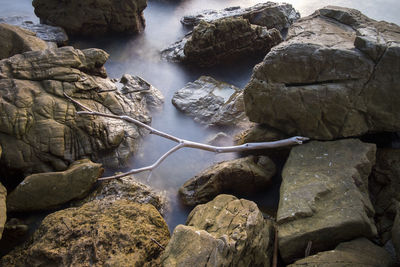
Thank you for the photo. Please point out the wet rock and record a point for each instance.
(45, 32)
(99, 233)
(39, 128)
(222, 40)
(224, 232)
(212, 102)
(15, 40)
(359, 253)
(396, 232)
(93, 18)
(43, 191)
(271, 15)
(308, 85)
(385, 190)
(324, 196)
(3, 208)
(241, 176)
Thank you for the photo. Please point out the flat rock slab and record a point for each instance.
(43, 191)
(324, 196)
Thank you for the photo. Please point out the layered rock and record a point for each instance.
(15, 40)
(3, 208)
(212, 102)
(222, 40)
(324, 196)
(44, 191)
(309, 85)
(224, 232)
(39, 128)
(271, 15)
(358, 253)
(98, 233)
(241, 176)
(92, 18)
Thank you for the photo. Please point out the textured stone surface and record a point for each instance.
(241, 176)
(97, 234)
(324, 196)
(43, 191)
(94, 17)
(212, 102)
(271, 15)
(309, 85)
(39, 128)
(396, 232)
(3, 208)
(358, 253)
(224, 232)
(15, 40)
(222, 40)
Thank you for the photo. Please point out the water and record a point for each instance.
(139, 55)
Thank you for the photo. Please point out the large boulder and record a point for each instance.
(212, 102)
(96, 17)
(3, 208)
(271, 15)
(358, 253)
(241, 176)
(336, 75)
(222, 40)
(324, 196)
(99, 233)
(44, 191)
(15, 40)
(224, 232)
(39, 128)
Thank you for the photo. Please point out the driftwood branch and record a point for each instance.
(296, 140)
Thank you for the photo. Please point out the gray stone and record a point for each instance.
(44, 191)
(241, 176)
(396, 232)
(224, 232)
(324, 196)
(308, 85)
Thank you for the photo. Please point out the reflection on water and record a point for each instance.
(139, 55)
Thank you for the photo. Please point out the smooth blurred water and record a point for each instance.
(139, 55)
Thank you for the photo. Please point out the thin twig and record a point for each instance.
(158, 244)
(308, 249)
(296, 140)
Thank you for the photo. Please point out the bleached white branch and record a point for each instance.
(296, 140)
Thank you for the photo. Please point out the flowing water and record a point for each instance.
(139, 55)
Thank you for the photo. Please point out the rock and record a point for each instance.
(39, 128)
(308, 85)
(396, 232)
(222, 40)
(271, 15)
(99, 234)
(15, 40)
(212, 102)
(93, 18)
(359, 253)
(219, 139)
(224, 232)
(44, 191)
(324, 196)
(385, 190)
(3, 208)
(241, 176)
(45, 32)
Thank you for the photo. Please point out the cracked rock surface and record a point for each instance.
(336, 75)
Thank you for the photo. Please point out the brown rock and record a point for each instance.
(3, 208)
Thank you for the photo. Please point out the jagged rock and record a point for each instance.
(99, 233)
(39, 128)
(212, 102)
(309, 85)
(45, 32)
(241, 176)
(271, 15)
(3, 208)
(43, 191)
(92, 18)
(15, 40)
(385, 190)
(358, 253)
(396, 232)
(222, 40)
(224, 232)
(324, 196)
